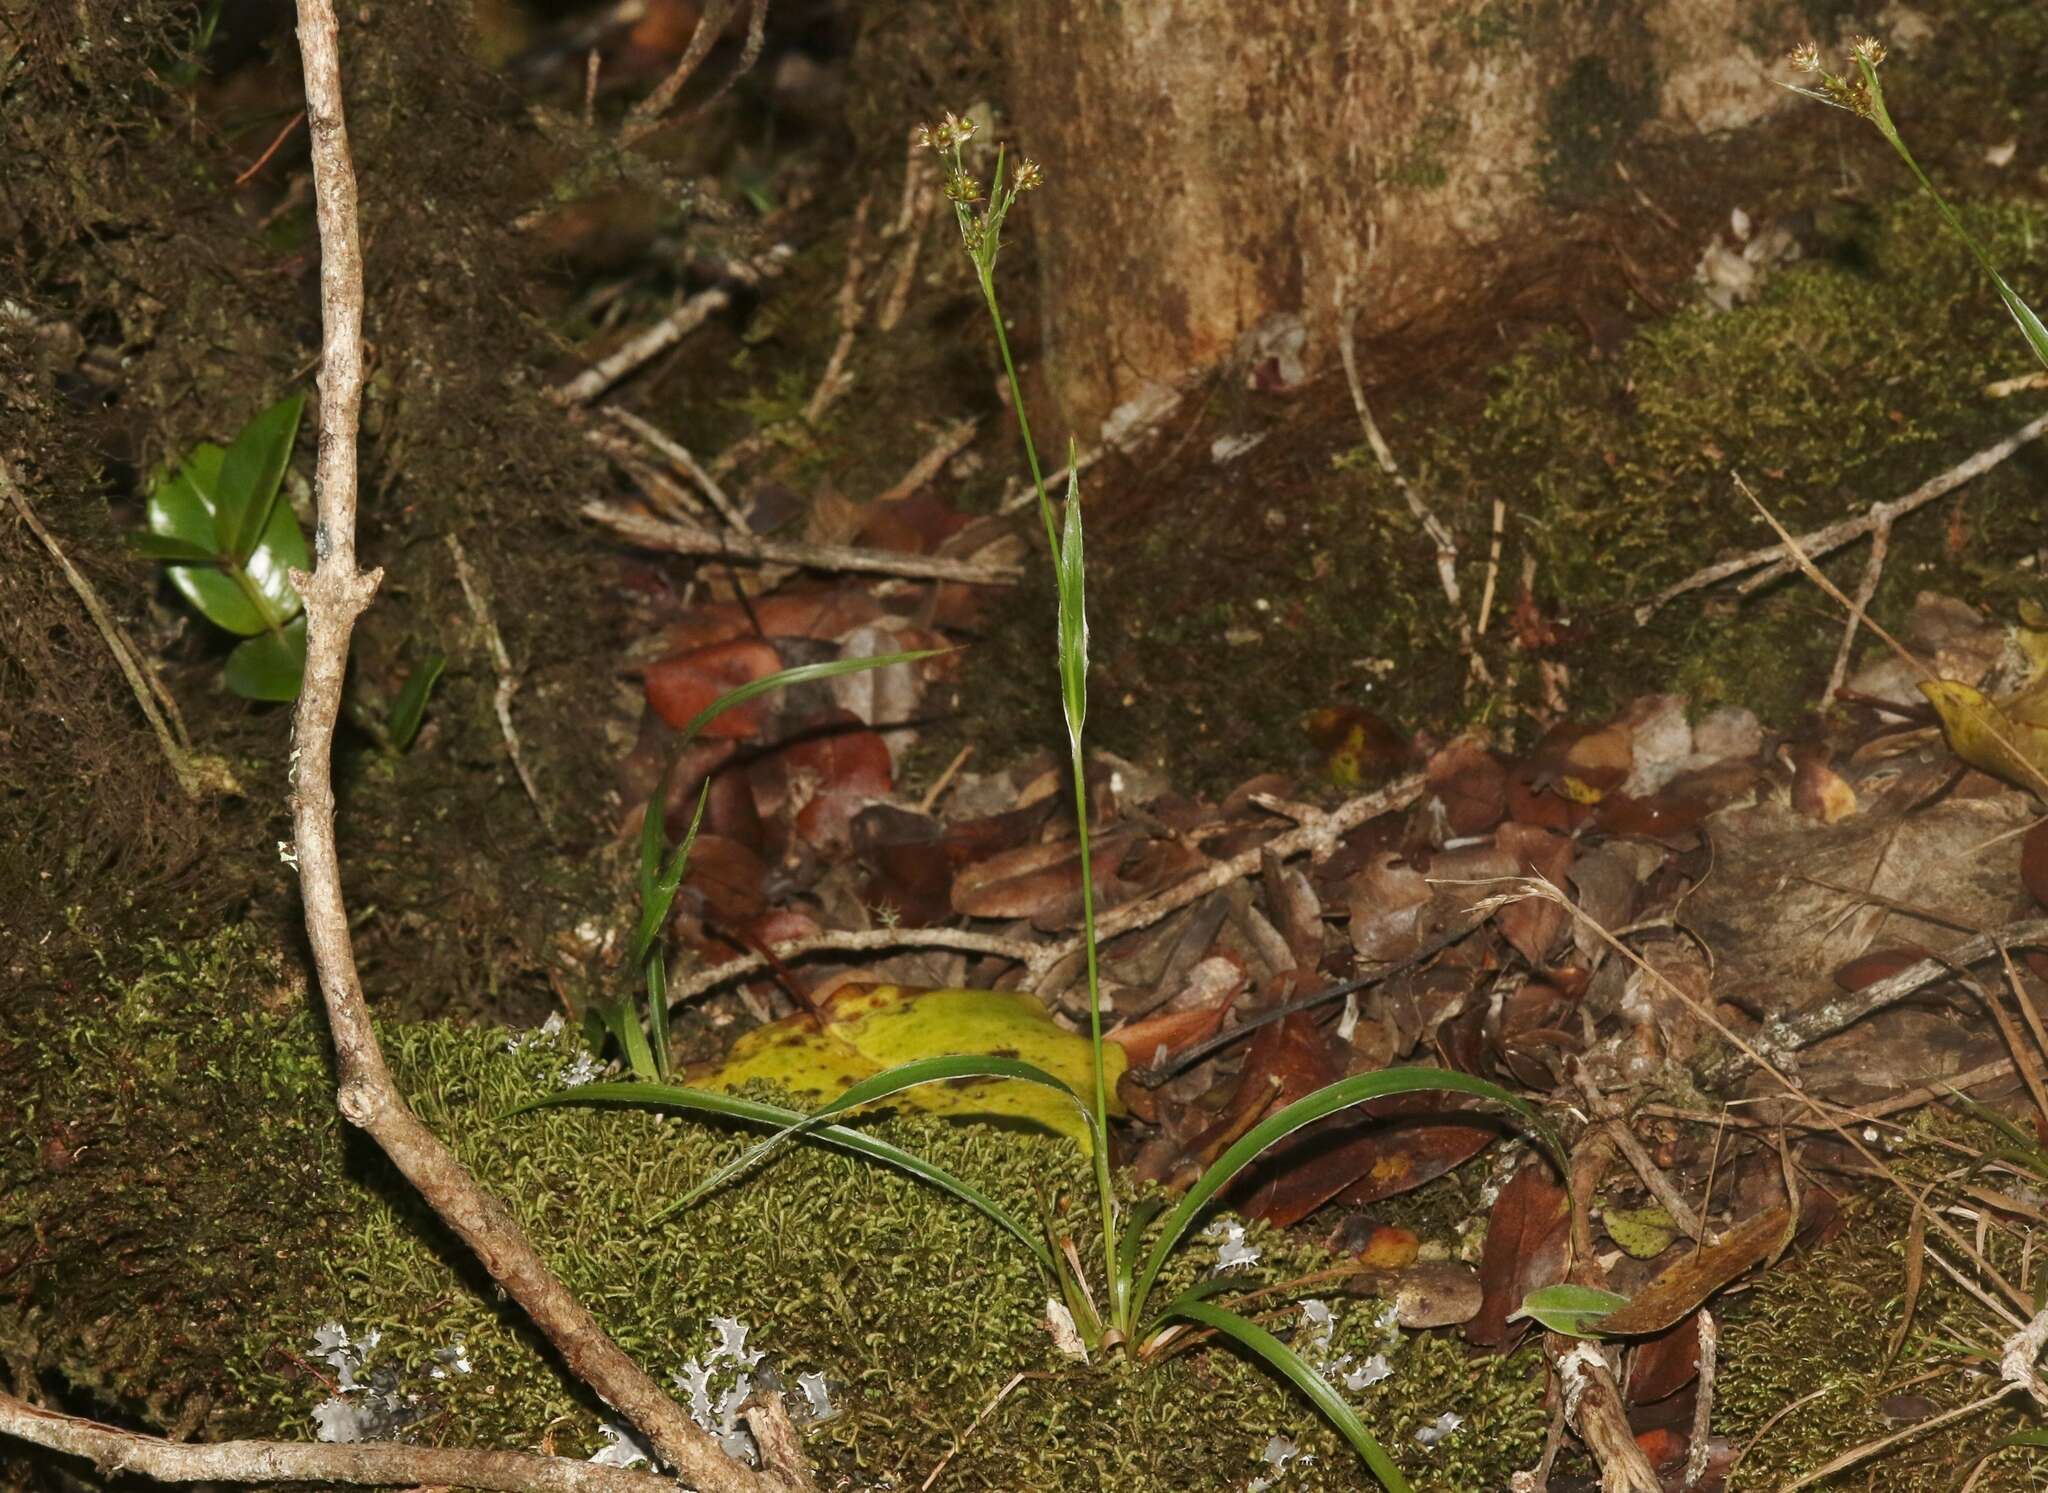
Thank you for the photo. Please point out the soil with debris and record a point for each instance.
(1698, 868)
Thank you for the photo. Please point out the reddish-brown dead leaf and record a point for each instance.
(823, 615)
(1658, 817)
(1531, 803)
(1662, 1445)
(1818, 791)
(1674, 1292)
(1387, 900)
(681, 685)
(1471, 784)
(844, 767)
(1535, 925)
(1582, 763)
(1361, 1156)
(1034, 881)
(728, 877)
(1879, 964)
(2034, 862)
(1528, 1246)
(1665, 1364)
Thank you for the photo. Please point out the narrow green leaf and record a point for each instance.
(250, 473)
(675, 1096)
(2036, 1437)
(1574, 1311)
(1141, 1216)
(659, 895)
(1257, 1340)
(1073, 625)
(270, 666)
(890, 1082)
(1357, 1089)
(170, 547)
(411, 708)
(802, 674)
(657, 1008)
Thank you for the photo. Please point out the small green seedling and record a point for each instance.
(1119, 1313)
(1575, 1311)
(217, 521)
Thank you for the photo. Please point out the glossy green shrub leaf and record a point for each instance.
(270, 667)
(245, 492)
(411, 708)
(249, 599)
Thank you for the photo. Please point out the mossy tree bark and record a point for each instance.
(1213, 166)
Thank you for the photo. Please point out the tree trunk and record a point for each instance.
(1221, 177)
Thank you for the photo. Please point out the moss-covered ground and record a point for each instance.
(175, 1133)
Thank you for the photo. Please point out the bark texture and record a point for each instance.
(1215, 170)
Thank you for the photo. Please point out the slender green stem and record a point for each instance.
(1105, 1190)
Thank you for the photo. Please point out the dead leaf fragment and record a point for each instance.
(1997, 739)
(1673, 1293)
(1528, 1246)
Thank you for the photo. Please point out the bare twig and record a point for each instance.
(685, 462)
(1771, 557)
(197, 773)
(646, 115)
(1446, 544)
(363, 1464)
(1782, 1036)
(951, 442)
(1870, 1449)
(1318, 839)
(270, 150)
(681, 539)
(1593, 1409)
(834, 382)
(670, 330)
(335, 595)
(1703, 1403)
(1638, 1156)
(973, 1426)
(1035, 957)
(508, 679)
(912, 218)
(1873, 573)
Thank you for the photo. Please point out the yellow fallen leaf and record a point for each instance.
(871, 1028)
(2008, 741)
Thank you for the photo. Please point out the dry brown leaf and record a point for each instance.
(1687, 1285)
(1528, 1246)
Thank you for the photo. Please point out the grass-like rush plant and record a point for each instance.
(1122, 1316)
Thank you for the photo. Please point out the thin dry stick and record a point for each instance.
(1870, 1449)
(671, 329)
(363, 1464)
(2022, 1354)
(508, 680)
(1318, 838)
(197, 774)
(1000, 1395)
(270, 150)
(685, 462)
(1772, 556)
(681, 539)
(1500, 520)
(1782, 1036)
(1446, 543)
(646, 114)
(2023, 1059)
(1035, 957)
(670, 498)
(912, 218)
(1540, 886)
(945, 779)
(951, 442)
(1703, 1405)
(1873, 573)
(1638, 1155)
(833, 381)
(335, 595)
